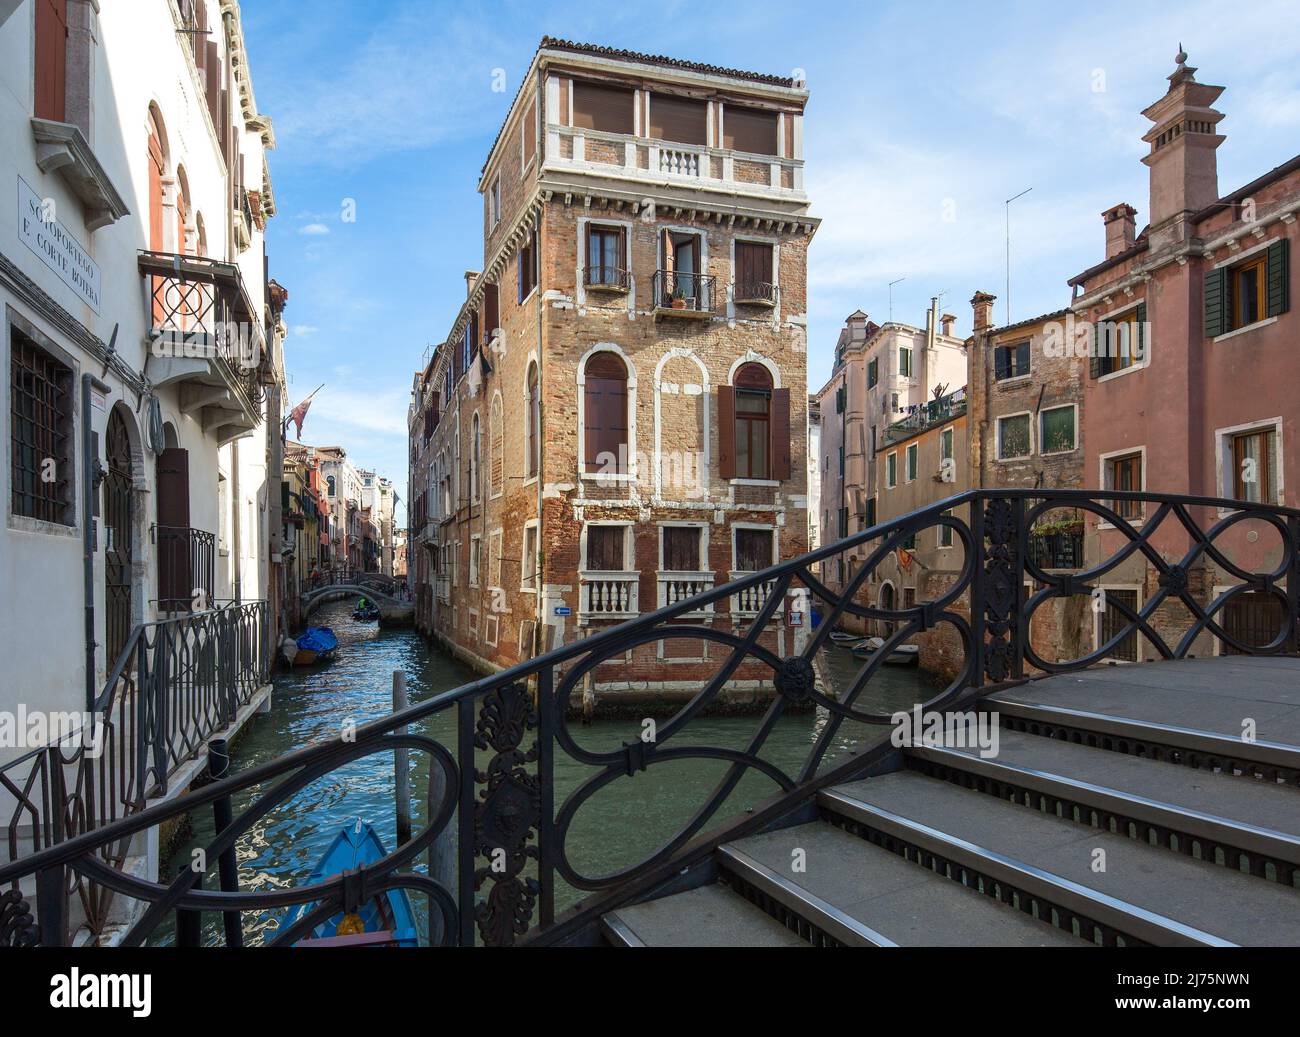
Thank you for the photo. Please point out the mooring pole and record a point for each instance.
(227, 865)
(401, 765)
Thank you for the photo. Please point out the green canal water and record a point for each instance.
(617, 827)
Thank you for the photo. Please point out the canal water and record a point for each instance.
(619, 826)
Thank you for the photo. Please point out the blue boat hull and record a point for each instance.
(357, 845)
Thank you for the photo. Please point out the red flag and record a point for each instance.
(299, 414)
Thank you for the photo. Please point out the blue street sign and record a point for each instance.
(563, 610)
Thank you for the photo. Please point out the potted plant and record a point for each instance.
(679, 298)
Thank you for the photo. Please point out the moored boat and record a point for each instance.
(385, 920)
(902, 655)
(316, 645)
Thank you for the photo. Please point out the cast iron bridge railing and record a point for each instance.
(495, 783)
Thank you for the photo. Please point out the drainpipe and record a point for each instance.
(236, 506)
(91, 473)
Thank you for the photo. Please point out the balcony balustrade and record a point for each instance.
(749, 601)
(609, 595)
(626, 156)
(675, 587)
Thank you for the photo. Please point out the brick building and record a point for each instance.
(1026, 397)
(617, 418)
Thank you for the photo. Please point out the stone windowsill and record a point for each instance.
(62, 147)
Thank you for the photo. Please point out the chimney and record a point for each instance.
(1183, 138)
(982, 304)
(948, 320)
(1120, 228)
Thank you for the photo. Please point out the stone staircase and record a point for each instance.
(1093, 824)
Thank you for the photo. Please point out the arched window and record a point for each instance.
(605, 415)
(532, 424)
(184, 246)
(754, 426)
(753, 385)
(475, 456)
(329, 481)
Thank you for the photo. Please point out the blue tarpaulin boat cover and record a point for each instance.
(318, 639)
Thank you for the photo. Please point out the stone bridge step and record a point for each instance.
(711, 916)
(1257, 817)
(1145, 893)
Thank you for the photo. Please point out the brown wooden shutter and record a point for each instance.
(51, 59)
(679, 119)
(213, 84)
(530, 132)
(726, 432)
(491, 311)
(681, 549)
(749, 130)
(780, 424)
(173, 471)
(606, 109)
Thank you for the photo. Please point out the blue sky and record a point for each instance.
(923, 119)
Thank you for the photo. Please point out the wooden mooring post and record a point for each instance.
(401, 764)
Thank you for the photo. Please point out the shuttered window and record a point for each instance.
(1249, 292)
(753, 550)
(491, 311)
(1125, 473)
(605, 415)
(1011, 361)
(749, 130)
(605, 548)
(682, 549)
(51, 59)
(526, 267)
(528, 134)
(608, 109)
(754, 272)
(679, 119)
(1119, 343)
(605, 251)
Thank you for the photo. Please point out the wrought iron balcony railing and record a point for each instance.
(756, 293)
(1057, 550)
(495, 779)
(610, 278)
(187, 569)
(682, 294)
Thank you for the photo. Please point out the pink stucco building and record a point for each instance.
(1195, 368)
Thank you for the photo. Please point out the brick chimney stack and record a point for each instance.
(948, 320)
(982, 304)
(1184, 140)
(1120, 228)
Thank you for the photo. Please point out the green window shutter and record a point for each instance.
(1279, 277)
(1216, 302)
(1141, 318)
(1094, 366)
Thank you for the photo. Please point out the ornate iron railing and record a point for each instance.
(176, 684)
(495, 787)
(186, 568)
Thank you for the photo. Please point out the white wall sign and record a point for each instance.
(58, 249)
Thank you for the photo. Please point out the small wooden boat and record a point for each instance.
(366, 614)
(903, 655)
(385, 920)
(844, 639)
(317, 645)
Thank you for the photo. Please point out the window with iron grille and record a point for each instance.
(41, 468)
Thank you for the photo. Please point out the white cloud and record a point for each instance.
(314, 230)
(304, 330)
